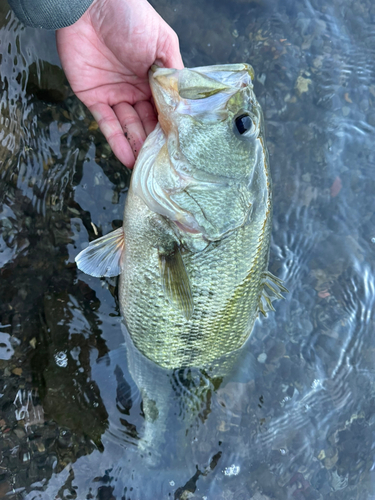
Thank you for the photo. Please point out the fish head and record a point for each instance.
(214, 132)
(213, 113)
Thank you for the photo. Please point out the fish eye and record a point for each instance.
(243, 124)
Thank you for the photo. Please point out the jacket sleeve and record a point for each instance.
(49, 14)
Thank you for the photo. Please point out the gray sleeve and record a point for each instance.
(49, 14)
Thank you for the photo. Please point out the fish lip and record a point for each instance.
(206, 70)
(157, 73)
(163, 71)
(230, 68)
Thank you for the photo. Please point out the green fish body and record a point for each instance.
(193, 251)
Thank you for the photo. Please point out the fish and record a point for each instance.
(193, 250)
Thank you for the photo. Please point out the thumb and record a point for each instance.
(168, 54)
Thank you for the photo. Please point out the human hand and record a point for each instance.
(106, 56)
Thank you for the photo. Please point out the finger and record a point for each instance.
(113, 132)
(169, 55)
(132, 125)
(175, 60)
(147, 115)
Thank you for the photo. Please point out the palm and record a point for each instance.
(106, 56)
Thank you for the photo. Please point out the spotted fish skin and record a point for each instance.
(224, 313)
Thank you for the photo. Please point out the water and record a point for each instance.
(297, 418)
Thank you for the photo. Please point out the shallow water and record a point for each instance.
(296, 420)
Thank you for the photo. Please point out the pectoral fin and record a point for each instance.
(103, 256)
(176, 282)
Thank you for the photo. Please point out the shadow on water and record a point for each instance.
(83, 415)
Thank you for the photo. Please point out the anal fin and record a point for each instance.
(102, 258)
(176, 282)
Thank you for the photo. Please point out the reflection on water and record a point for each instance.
(84, 416)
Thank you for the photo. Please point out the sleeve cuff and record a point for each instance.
(49, 14)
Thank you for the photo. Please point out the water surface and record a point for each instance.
(296, 420)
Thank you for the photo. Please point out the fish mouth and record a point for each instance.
(205, 79)
(171, 87)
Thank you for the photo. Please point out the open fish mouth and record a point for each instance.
(202, 91)
(202, 82)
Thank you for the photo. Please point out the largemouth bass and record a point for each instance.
(193, 250)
